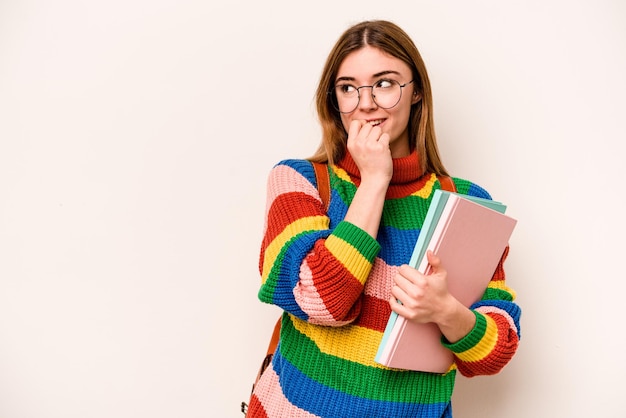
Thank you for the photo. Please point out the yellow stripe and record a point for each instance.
(350, 257)
(501, 285)
(425, 191)
(341, 173)
(350, 342)
(311, 223)
(485, 346)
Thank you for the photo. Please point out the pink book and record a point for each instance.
(470, 239)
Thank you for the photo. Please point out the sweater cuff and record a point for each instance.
(354, 248)
(363, 242)
(471, 339)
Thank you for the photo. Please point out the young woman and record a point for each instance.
(339, 273)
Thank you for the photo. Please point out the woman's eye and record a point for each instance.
(383, 84)
(347, 88)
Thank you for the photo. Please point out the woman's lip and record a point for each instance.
(376, 122)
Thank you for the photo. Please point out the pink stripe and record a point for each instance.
(274, 402)
(285, 179)
(380, 280)
(498, 311)
(310, 301)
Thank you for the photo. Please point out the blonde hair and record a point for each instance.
(391, 39)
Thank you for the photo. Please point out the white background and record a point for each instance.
(135, 141)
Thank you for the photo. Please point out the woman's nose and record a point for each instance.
(367, 100)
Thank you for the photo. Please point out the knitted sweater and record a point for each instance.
(333, 281)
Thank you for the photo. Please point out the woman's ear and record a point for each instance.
(416, 97)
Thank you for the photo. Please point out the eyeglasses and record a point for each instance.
(385, 93)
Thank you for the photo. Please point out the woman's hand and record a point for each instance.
(369, 148)
(425, 298)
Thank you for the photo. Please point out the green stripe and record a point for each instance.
(367, 246)
(363, 242)
(497, 294)
(462, 185)
(359, 380)
(344, 189)
(471, 339)
(406, 213)
(266, 292)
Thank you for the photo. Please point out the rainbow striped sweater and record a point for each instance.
(333, 281)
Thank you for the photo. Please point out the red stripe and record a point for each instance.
(404, 189)
(284, 210)
(288, 208)
(255, 409)
(503, 351)
(499, 274)
(375, 313)
(398, 191)
(337, 287)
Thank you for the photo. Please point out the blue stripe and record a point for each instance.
(476, 190)
(289, 274)
(327, 402)
(302, 167)
(337, 209)
(511, 308)
(394, 243)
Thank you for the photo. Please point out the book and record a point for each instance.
(433, 215)
(469, 235)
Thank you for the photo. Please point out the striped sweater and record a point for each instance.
(333, 281)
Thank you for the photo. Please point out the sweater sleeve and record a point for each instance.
(308, 269)
(495, 337)
(493, 341)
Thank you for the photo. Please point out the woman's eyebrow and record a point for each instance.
(377, 75)
(382, 73)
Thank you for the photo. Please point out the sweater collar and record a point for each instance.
(405, 169)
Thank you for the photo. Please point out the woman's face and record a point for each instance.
(370, 66)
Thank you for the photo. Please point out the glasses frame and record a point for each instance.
(358, 93)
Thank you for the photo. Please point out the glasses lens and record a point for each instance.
(347, 97)
(385, 93)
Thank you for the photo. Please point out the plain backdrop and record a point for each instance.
(135, 141)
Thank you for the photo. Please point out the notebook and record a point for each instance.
(469, 238)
